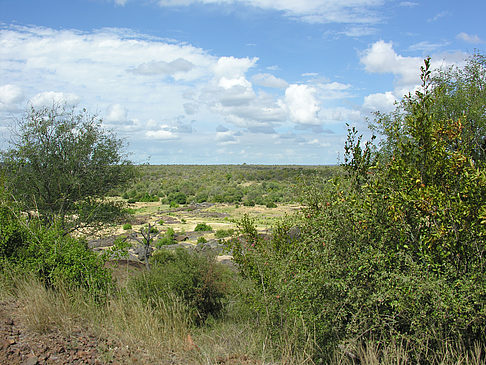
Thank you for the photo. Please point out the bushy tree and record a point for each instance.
(62, 164)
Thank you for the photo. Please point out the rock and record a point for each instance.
(32, 360)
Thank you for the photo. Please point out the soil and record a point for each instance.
(21, 346)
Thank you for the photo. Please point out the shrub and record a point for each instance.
(271, 205)
(177, 198)
(198, 280)
(167, 239)
(13, 236)
(127, 226)
(223, 233)
(202, 240)
(146, 198)
(202, 227)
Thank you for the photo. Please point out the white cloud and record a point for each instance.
(438, 16)
(116, 114)
(383, 102)
(427, 46)
(10, 97)
(359, 31)
(381, 58)
(469, 38)
(120, 2)
(302, 105)
(50, 98)
(179, 65)
(226, 137)
(340, 114)
(269, 80)
(232, 67)
(161, 134)
(312, 11)
(409, 4)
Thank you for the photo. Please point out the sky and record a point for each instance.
(227, 81)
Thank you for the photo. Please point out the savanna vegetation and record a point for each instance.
(384, 262)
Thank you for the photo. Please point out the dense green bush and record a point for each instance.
(167, 239)
(127, 226)
(13, 237)
(223, 233)
(203, 227)
(198, 280)
(56, 258)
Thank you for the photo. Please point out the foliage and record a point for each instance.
(59, 260)
(186, 184)
(62, 165)
(201, 240)
(127, 226)
(393, 250)
(203, 227)
(223, 233)
(119, 250)
(167, 239)
(198, 280)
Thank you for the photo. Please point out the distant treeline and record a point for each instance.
(246, 184)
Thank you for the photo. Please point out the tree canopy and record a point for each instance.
(62, 164)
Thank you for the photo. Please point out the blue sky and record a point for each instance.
(227, 81)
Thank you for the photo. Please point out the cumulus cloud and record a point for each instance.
(163, 68)
(383, 102)
(312, 11)
(49, 98)
(382, 58)
(269, 80)
(116, 113)
(232, 67)
(226, 137)
(469, 38)
(302, 105)
(340, 114)
(10, 97)
(161, 134)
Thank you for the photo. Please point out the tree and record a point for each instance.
(62, 164)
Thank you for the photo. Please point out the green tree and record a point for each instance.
(62, 164)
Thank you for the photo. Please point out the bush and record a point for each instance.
(198, 280)
(203, 227)
(202, 240)
(177, 198)
(13, 236)
(127, 226)
(167, 239)
(147, 198)
(59, 260)
(223, 233)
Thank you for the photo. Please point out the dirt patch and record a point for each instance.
(20, 345)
